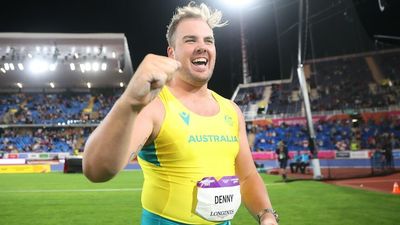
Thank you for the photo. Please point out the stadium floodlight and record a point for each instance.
(19, 85)
(88, 66)
(51, 84)
(52, 66)
(82, 66)
(96, 50)
(38, 66)
(3, 70)
(121, 84)
(72, 66)
(6, 66)
(238, 3)
(12, 66)
(95, 66)
(103, 66)
(21, 66)
(89, 85)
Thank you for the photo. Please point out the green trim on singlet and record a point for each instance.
(148, 153)
(149, 218)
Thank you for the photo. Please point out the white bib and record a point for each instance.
(218, 200)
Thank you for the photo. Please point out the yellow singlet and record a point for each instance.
(188, 148)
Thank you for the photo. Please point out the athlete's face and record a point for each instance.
(195, 49)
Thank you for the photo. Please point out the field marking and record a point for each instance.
(370, 181)
(89, 190)
(71, 190)
(275, 184)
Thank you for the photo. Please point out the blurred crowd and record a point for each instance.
(341, 84)
(338, 135)
(61, 121)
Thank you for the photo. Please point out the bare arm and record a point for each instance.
(252, 187)
(127, 126)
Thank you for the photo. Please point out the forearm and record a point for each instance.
(256, 199)
(107, 149)
(254, 194)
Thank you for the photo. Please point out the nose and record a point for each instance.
(200, 50)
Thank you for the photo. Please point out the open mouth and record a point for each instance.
(200, 61)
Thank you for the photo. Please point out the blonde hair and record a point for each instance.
(212, 17)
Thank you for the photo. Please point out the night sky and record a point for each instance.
(337, 27)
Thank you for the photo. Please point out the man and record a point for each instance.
(300, 161)
(295, 163)
(191, 143)
(304, 162)
(282, 153)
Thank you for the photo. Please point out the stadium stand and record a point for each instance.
(355, 105)
(53, 110)
(354, 100)
(41, 122)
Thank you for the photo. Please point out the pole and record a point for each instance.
(306, 100)
(245, 65)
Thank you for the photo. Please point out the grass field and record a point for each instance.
(69, 199)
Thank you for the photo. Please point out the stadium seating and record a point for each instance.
(61, 121)
(51, 122)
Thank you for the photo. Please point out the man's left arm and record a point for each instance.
(252, 187)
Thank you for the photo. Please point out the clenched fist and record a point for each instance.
(151, 75)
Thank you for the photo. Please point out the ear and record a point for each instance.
(171, 52)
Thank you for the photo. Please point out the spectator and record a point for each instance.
(283, 157)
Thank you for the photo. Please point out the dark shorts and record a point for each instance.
(149, 218)
(283, 164)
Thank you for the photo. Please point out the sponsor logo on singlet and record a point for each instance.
(185, 117)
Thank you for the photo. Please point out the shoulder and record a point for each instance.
(229, 103)
(237, 110)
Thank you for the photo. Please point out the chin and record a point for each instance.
(197, 80)
(204, 77)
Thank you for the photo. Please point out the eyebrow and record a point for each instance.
(210, 38)
(195, 37)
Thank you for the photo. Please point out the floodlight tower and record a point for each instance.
(306, 99)
(240, 5)
(243, 48)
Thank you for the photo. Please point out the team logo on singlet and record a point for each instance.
(185, 117)
(228, 120)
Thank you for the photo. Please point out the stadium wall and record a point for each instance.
(328, 159)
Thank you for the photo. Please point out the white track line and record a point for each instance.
(276, 184)
(71, 190)
(88, 190)
(370, 181)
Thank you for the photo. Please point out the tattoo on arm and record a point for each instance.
(139, 147)
(134, 153)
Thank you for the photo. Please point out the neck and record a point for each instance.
(181, 88)
(197, 99)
